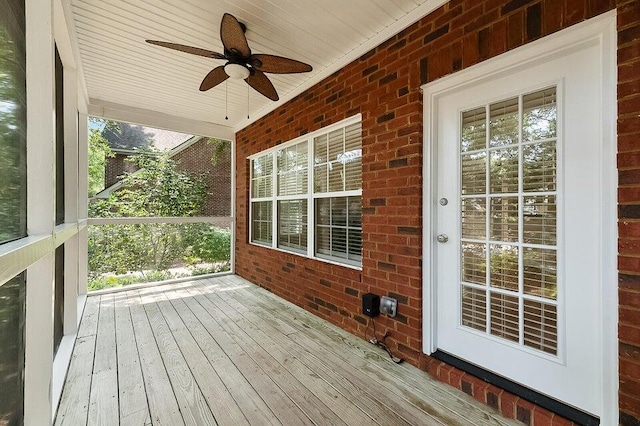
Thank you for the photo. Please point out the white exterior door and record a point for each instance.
(517, 227)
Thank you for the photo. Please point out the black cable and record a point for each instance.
(382, 344)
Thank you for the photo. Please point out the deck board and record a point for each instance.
(222, 351)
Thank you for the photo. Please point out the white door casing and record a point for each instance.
(578, 63)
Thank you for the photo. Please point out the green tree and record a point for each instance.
(156, 189)
(126, 136)
(99, 151)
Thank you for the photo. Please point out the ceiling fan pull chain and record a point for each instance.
(226, 100)
(248, 102)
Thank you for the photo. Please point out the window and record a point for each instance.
(13, 122)
(509, 220)
(318, 187)
(292, 166)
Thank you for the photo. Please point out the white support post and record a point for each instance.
(41, 211)
(83, 147)
(71, 199)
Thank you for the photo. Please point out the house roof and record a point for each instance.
(132, 137)
(126, 78)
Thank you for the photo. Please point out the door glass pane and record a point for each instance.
(474, 218)
(474, 130)
(503, 123)
(540, 272)
(504, 267)
(13, 122)
(510, 257)
(474, 173)
(474, 308)
(539, 167)
(541, 326)
(504, 219)
(539, 219)
(12, 317)
(505, 316)
(474, 263)
(539, 116)
(504, 170)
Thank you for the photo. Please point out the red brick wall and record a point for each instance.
(196, 159)
(629, 208)
(383, 85)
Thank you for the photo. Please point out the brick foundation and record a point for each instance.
(384, 86)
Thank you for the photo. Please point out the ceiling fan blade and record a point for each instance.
(188, 49)
(262, 84)
(277, 64)
(232, 36)
(215, 77)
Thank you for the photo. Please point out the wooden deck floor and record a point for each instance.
(223, 351)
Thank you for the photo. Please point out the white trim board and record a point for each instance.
(600, 31)
(146, 117)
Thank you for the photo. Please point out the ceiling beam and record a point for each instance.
(158, 120)
(66, 39)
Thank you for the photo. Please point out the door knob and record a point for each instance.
(442, 238)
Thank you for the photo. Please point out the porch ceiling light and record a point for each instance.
(236, 71)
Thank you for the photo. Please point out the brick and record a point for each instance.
(512, 5)
(552, 13)
(515, 30)
(630, 404)
(542, 417)
(524, 411)
(628, 419)
(508, 405)
(466, 387)
(534, 22)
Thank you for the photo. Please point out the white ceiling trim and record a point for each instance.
(66, 37)
(399, 25)
(158, 120)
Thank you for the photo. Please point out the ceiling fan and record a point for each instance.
(241, 63)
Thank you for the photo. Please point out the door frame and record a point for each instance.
(601, 31)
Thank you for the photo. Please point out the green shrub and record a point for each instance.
(212, 245)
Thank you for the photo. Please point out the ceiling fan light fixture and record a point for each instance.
(237, 71)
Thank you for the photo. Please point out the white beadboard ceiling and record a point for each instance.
(131, 80)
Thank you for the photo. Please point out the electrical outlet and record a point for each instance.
(389, 306)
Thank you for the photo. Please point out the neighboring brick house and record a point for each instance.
(384, 86)
(117, 165)
(197, 155)
(200, 155)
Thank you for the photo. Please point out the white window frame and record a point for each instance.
(310, 195)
